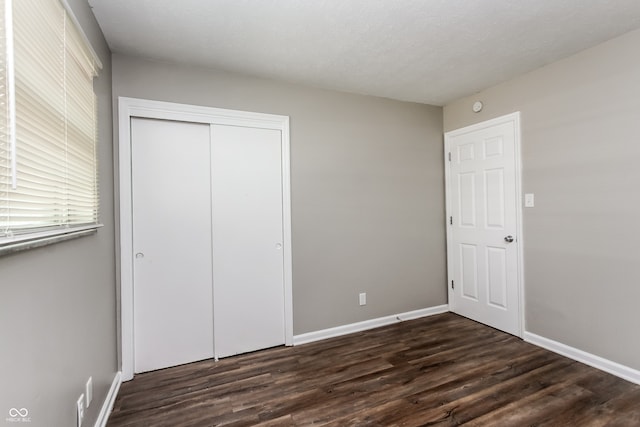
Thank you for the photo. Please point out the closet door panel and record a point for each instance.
(173, 308)
(248, 262)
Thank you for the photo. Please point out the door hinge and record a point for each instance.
(449, 155)
(450, 220)
(453, 285)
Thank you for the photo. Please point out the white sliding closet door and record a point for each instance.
(173, 313)
(248, 261)
(205, 231)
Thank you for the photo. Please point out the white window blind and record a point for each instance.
(51, 156)
(5, 150)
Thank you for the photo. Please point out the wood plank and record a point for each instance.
(439, 370)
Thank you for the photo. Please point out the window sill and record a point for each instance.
(36, 240)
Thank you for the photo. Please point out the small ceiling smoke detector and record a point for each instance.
(477, 107)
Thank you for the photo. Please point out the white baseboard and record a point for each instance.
(107, 405)
(367, 324)
(597, 362)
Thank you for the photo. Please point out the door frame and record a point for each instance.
(143, 108)
(515, 119)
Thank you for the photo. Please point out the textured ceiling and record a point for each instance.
(429, 51)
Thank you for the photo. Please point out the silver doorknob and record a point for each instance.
(508, 239)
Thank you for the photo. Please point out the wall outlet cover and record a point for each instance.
(80, 409)
(88, 392)
(363, 298)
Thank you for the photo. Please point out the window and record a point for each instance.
(48, 166)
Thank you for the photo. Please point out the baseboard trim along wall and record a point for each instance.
(107, 405)
(367, 324)
(597, 362)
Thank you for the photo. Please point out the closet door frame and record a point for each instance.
(143, 108)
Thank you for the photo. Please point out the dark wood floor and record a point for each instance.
(436, 371)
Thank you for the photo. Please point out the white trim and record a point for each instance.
(519, 220)
(287, 248)
(597, 362)
(367, 324)
(132, 107)
(447, 225)
(515, 118)
(109, 400)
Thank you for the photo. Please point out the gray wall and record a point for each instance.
(581, 147)
(367, 188)
(57, 303)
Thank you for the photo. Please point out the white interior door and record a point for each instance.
(248, 262)
(173, 302)
(483, 241)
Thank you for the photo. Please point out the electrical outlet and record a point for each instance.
(80, 409)
(88, 392)
(363, 298)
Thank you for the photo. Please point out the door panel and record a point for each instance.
(494, 192)
(467, 196)
(248, 260)
(469, 279)
(173, 314)
(482, 194)
(496, 280)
